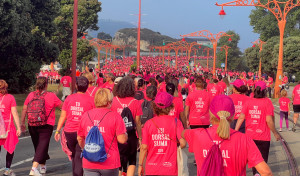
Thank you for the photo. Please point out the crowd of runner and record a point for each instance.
(150, 114)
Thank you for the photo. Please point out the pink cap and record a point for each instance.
(222, 103)
(261, 84)
(163, 100)
(238, 83)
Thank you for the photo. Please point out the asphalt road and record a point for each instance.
(59, 165)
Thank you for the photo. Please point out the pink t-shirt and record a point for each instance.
(178, 107)
(239, 100)
(213, 90)
(256, 110)
(100, 82)
(296, 93)
(285, 80)
(51, 102)
(111, 126)
(5, 107)
(76, 105)
(269, 82)
(237, 152)
(66, 81)
(284, 104)
(199, 102)
(162, 145)
(108, 86)
(135, 106)
(91, 91)
(222, 86)
(250, 82)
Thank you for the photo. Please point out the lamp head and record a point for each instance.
(222, 13)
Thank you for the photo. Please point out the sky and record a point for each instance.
(179, 17)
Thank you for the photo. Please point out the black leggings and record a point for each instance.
(76, 153)
(9, 158)
(40, 136)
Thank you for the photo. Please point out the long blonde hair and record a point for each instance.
(223, 130)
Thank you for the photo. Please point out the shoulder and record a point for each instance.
(10, 97)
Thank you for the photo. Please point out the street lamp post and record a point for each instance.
(139, 38)
(207, 50)
(280, 11)
(260, 44)
(226, 48)
(74, 44)
(214, 38)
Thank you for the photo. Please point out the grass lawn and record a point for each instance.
(20, 99)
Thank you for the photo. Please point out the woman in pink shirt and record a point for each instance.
(91, 90)
(237, 149)
(296, 104)
(8, 109)
(124, 93)
(239, 99)
(259, 115)
(177, 111)
(197, 106)
(73, 108)
(284, 105)
(160, 136)
(113, 130)
(41, 135)
(109, 84)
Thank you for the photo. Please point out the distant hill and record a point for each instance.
(128, 36)
(110, 27)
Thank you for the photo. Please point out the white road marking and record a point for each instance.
(18, 163)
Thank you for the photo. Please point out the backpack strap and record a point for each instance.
(100, 120)
(91, 92)
(222, 140)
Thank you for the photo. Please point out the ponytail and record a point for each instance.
(223, 130)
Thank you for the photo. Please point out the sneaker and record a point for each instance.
(35, 172)
(43, 170)
(290, 129)
(294, 127)
(280, 130)
(124, 174)
(8, 172)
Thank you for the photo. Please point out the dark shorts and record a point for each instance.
(296, 108)
(128, 151)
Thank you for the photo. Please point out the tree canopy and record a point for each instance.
(234, 54)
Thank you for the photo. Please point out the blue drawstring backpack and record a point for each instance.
(94, 148)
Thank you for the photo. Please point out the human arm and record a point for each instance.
(142, 156)
(271, 125)
(183, 119)
(138, 127)
(186, 115)
(239, 121)
(23, 115)
(81, 141)
(16, 119)
(61, 121)
(263, 169)
(122, 138)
